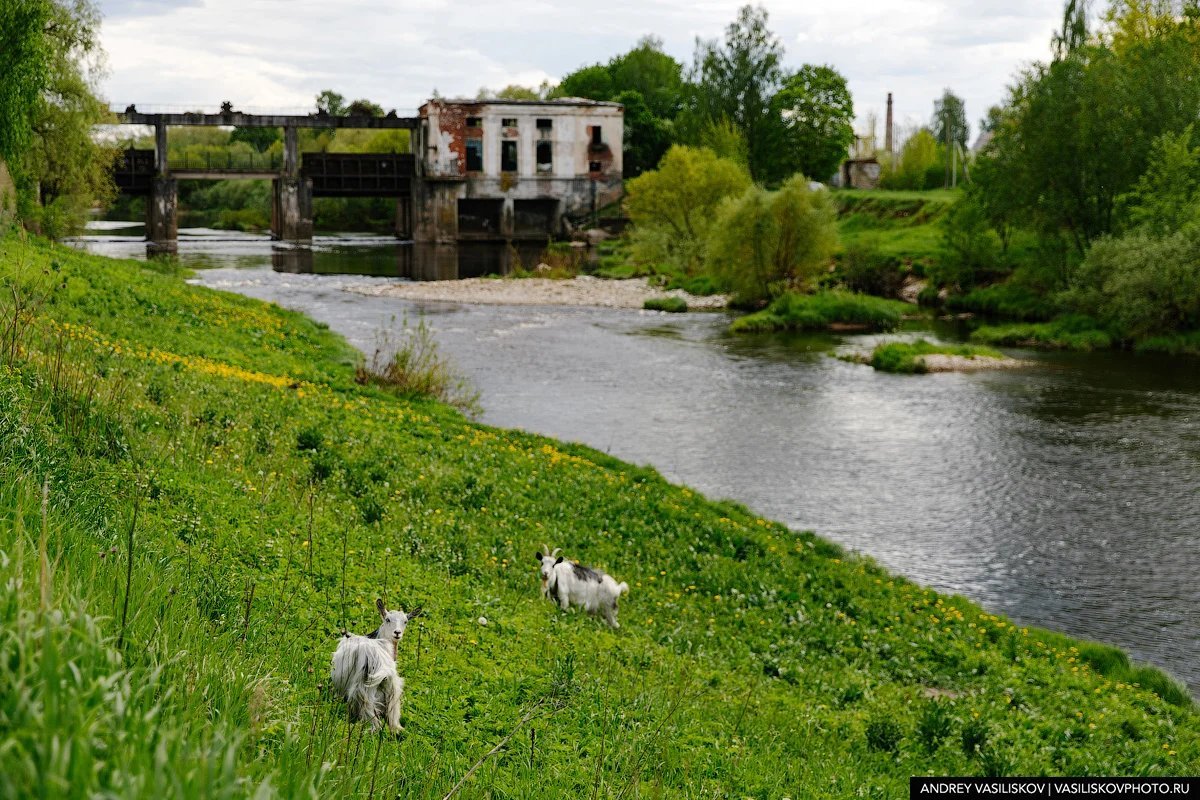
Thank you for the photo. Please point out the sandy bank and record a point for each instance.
(583, 290)
(942, 362)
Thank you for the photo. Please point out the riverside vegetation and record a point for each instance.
(197, 495)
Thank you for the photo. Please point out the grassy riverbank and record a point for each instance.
(912, 357)
(268, 498)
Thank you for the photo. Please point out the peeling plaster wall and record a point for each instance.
(571, 181)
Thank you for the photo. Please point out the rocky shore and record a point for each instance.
(583, 290)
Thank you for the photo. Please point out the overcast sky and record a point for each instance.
(277, 54)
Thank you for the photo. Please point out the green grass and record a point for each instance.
(1071, 332)
(675, 305)
(822, 311)
(275, 498)
(899, 224)
(908, 357)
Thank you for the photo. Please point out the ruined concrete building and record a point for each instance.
(514, 169)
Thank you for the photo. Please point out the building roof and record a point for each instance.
(558, 101)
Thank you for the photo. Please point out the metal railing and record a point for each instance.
(227, 161)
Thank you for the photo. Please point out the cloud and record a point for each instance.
(279, 53)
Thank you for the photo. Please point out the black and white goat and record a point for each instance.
(568, 584)
(363, 673)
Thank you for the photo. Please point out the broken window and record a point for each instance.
(545, 157)
(593, 166)
(474, 122)
(544, 124)
(508, 155)
(474, 155)
(597, 137)
(509, 122)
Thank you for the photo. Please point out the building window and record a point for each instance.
(545, 157)
(509, 122)
(544, 124)
(508, 155)
(597, 136)
(474, 155)
(593, 166)
(474, 122)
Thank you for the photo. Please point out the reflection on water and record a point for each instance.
(1065, 495)
(331, 254)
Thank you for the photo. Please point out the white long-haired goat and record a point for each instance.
(568, 584)
(364, 671)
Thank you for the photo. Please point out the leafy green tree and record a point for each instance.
(58, 168)
(330, 102)
(656, 76)
(673, 206)
(260, 139)
(593, 83)
(364, 108)
(816, 114)
(949, 121)
(1167, 196)
(764, 242)
(647, 137)
(24, 63)
(919, 165)
(736, 79)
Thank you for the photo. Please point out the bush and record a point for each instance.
(908, 357)
(1141, 284)
(675, 305)
(1070, 332)
(934, 725)
(1010, 300)
(884, 734)
(764, 241)
(865, 269)
(672, 207)
(821, 310)
(416, 369)
(970, 251)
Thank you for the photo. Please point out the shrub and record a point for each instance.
(415, 368)
(864, 268)
(821, 310)
(672, 207)
(934, 725)
(1141, 284)
(1069, 332)
(884, 734)
(673, 304)
(764, 241)
(908, 357)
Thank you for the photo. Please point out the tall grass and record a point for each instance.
(414, 367)
(277, 496)
(824, 310)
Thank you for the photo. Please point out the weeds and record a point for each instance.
(413, 367)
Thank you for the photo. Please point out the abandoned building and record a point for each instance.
(479, 170)
(513, 169)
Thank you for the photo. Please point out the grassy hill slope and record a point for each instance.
(214, 455)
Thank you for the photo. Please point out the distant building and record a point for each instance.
(514, 169)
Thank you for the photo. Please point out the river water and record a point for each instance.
(1066, 494)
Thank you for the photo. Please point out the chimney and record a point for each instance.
(887, 136)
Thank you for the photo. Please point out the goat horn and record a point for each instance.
(557, 550)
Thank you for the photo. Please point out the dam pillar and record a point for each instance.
(162, 225)
(291, 209)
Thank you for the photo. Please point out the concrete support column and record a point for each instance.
(404, 222)
(162, 223)
(507, 219)
(291, 153)
(291, 209)
(160, 150)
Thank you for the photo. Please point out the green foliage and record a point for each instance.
(1068, 332)
(1142, 285)
(1165, 198)
(647, 137)
(672, 207)
(949, 121)
(970, 252)
(820, 311)
(672, 304)
(48, 113)
(935, 724)
(1013, 299)
(908, 357)
(741, 641)
(918, 165)
(866, 269)
(414, 368)
(817, 116)
(763, 242)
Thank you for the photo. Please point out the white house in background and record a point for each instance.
(514, 169)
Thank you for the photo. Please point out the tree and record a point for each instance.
(646, 136)
(949, 122)
(817, 115)
(593, 83)
(763, 242)
(673, 206)
(364, 108)
(57, 167)
(656, 76)
(737, 78)
(330, 102)
(919, 165)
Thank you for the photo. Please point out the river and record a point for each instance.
(1066, 495)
